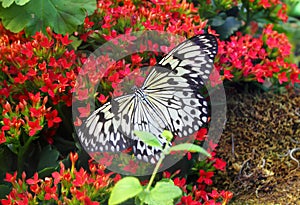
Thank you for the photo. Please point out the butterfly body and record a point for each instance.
(169, 99)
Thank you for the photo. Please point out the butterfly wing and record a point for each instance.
(172, 90)
(102, 131)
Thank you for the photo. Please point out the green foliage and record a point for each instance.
(164, 192)
(62, 16)
(48, 161)
(8, 3)
(126, 188)
(190, 148)
(148, 138)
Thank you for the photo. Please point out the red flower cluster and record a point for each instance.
(37, 73)
(198, 194)
(68, 186)
(176, 17)
(272, 4)
(246, 58)
(26, 117)
(117, 18)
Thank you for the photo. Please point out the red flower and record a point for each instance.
(136, 59)
(85, 111)
(36, 113)
(11, 178)
(34, 98)
(57, 177)
(35, 179)
(34, 127)
(50, 193)
(226, 195)
(52, 118)
(264, 3)
(21, 78)
(214, 194)
(2, 137)
(180, 183)
(81, 177)
(201, 134)
(131, 167)
(188, 200)
(65, 40)
(282, 77)
(220, 164)
(88, 201)
(201, 194)
(205, 177)
(102, 99)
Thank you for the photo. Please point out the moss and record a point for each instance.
(261, 144)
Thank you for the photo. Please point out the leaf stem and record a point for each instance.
(155, 171)
(21, 153)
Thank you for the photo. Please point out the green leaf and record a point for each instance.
(7, 158)
(125, 189)
(8, 3)
(21, 2)
(165, 192)
(4, 190)
(217, 21)
(75, 42)
(148, 138)
(46, 171)
(230, 25)
(48, 158)
(189, 147)
(147, 198)
(62, 16)
(168, 135)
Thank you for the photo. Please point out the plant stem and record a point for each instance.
(22, 152)
(155, 172)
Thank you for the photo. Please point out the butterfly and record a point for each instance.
(168, 99)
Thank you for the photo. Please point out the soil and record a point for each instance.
(261, 145)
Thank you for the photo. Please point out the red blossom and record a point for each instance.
(220, 164)
(201, 194)
(51, 193)
(131, 167)
(180, 183)
(81, 177)
(205, 177)
(214, 194)
(52, 118)
(33, 181)
(188, 200)
(264, 3)
(11, 178)
(34, 127)
(85, 111)
(136, 59)
(102, 99)
(201, 134)
(282, 77)
(2, 137)
(226, 195)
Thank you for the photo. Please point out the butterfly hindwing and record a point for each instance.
(102, 131)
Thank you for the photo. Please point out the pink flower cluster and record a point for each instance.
(248, 58)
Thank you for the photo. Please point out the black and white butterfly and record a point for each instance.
(169, 99)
